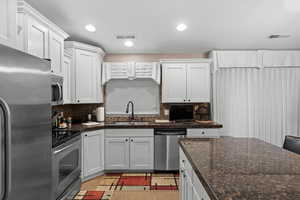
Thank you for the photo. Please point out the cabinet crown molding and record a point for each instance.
(86, 47)
(25, 8)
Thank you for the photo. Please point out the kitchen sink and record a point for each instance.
(130, 123)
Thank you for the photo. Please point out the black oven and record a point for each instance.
(66, 165)
(57, 90)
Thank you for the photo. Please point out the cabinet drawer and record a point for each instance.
(203, 133)
(129, 132)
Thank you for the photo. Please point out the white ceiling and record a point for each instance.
(212, 24)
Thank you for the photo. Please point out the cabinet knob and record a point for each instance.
(131, 140)
(85, 135)
(126, 140)
(183, 161)
(78, 100)
(189, 100)
(203, 132)
(184, 100)
(51, 70)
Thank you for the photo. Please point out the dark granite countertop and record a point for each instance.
(112, 125)
(244, 169)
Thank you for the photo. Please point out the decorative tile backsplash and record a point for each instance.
(79, 112)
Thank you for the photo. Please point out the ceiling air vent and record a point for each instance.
(125, 37)
(279, 36)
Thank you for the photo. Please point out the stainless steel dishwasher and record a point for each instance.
(166, 149)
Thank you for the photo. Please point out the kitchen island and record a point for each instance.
(238, 169)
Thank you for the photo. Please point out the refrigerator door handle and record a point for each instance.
(6, 148)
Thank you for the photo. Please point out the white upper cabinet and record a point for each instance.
(56, 52)
(174, 83)
(37, 41)
(85, 73)
(198, 82)
(85, 68)
(40, 37)
(186, 82)
(66, 71)
(131, 71)
(8, 26)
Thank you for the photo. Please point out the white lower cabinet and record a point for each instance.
(203, 133)
(117, 153)
(190, 186)
(129, 149)
(140, 153)
(93, 153)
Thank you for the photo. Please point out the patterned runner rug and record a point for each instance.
(104, 187)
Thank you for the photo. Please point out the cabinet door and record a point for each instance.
(198, 82)
(203, 133)
(189, 188)
(38, 38)
(66, 70)
(174, 83)
(8, 34)
(182, 184)
(56, 52)
(86, 77)
(116, 153)
(93, 152)
(141, 153)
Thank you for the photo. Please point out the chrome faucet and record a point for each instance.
(132, 110)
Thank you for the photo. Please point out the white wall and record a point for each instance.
(144, 94)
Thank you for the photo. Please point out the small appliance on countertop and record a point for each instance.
(100, 114)
(182, 113)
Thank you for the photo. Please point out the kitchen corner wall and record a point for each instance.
(79, 112)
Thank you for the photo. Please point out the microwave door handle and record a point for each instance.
(59, 92)
(6, 160)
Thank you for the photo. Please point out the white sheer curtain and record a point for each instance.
(262, 103)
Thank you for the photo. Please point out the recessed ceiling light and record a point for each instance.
(128, 43)
(90, 28)
(279, 36)
(181, 27)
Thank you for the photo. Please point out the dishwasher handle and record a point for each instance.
(170, 132)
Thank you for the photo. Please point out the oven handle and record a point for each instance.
(63, 149)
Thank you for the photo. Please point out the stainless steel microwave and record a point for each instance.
(57, 90)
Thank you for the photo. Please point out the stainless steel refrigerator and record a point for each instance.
(25, 125)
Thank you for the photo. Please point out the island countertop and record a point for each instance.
(244, 168)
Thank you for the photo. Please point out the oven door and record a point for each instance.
(66, 165)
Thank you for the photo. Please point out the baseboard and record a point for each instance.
(92, 176)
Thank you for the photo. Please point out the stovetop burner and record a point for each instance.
(60, 136)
